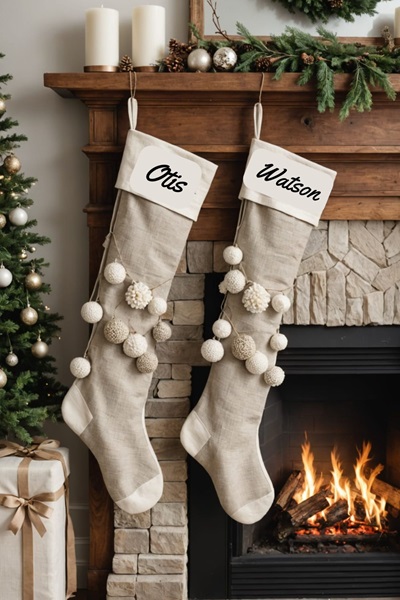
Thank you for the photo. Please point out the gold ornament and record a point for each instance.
(33, 280)
(3, 221)
(39, 348)
(23, 254)
(2, 105)
(199, 60)
(29, 315)
(3, 378)
(12, 164)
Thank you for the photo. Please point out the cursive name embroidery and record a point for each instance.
(293, 184)
(167, 177)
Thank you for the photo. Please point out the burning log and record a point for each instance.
(285, 496)
(292, 519)
(385, 490)
(339, 511)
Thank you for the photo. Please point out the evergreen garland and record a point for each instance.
(322, 10)
(315, 59)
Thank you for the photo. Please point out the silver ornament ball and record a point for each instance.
(224, 59)
(199, 60)
(29, 315)
(11, 359)
(12, 164)
(2, 105)
(3, 221)
(39, 349)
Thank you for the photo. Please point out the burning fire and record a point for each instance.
(364, 507)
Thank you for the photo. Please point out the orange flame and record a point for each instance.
(359, 492)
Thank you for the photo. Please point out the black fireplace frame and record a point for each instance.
(218, 569)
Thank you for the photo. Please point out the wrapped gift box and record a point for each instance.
(34, 561)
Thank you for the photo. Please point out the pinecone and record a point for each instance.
(174, 63)
(307, 59)
(262, 64)
(335, 3)
(126, 63)
(180, 49)
(243, 48)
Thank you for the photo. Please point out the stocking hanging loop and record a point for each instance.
(258, 112)
(132, 102)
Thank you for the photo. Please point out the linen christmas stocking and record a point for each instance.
(160, 191)
(282, 199)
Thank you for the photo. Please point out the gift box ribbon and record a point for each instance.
(29, 511)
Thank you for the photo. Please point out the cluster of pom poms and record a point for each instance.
(255, 299)
(138, 295)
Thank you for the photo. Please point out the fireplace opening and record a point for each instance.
(337, 404)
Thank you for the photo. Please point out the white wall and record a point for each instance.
(48, 36)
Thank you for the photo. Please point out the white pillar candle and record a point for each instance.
(397, 23)
(148, 35)
(101, 39)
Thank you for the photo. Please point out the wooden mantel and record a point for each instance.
(211, 114)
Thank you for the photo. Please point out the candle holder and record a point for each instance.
(100, 69)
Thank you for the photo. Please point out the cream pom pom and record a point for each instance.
(138, 295)
(135, 345)
(281, 303)
(162, 332)
(80, 367)
(235, 281)
(257, 364)
(278, 342)
(222, 287)
(232, 255)
(157, 306)
(147, 363)
(115, 273)
(222, 328)
(92, 312)
(256, 298)
(212, 351)
(116, 331)
(243, 347)
(274, 376)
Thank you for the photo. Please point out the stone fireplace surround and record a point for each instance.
(349, 276)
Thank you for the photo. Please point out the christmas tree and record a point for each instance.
(29, 391)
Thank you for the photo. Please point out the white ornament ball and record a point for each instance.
(116, 331)
(278, 342)
(157, 306)
(212, 351)
(18, 216)
(257, 364)
(135, 345)
(232, 255)
(147, 363)
(5, 277)
(235, 281)
(115, 273)
(3, 378)
(222, 328)
(3, 221)
(92, 312)
(138, 295)
(274, 376)
(224, 59)
(11, 359)
(162, 332)
(243, 347)
(39, 349)
(199, 60)
(256, 299)
(281, 303)
(80, 367)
